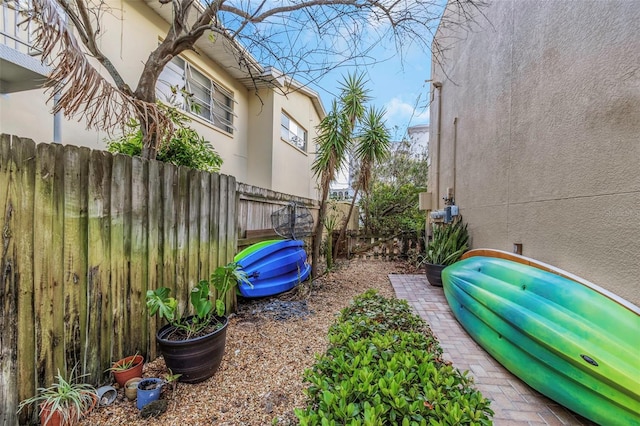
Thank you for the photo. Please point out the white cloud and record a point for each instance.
(402, 113)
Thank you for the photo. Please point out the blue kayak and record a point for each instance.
(273, 267)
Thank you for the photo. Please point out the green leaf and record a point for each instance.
(200, 300)
(220, 308)
(158, 301)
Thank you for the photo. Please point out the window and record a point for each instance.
(187, 88)
(291, 132)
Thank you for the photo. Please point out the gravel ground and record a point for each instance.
(270, 342)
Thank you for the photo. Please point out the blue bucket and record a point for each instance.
(146, 396)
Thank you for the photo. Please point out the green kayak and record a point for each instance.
(569, 339)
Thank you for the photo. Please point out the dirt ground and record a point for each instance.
(270, 342)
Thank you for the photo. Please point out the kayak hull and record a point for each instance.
(564, 338)
(273, 267)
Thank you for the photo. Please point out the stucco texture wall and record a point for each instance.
(537, 128)
(299, 180)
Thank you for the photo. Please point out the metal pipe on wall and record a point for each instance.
(57, 121)
(438, 85)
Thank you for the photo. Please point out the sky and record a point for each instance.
(302, 43)
(398, 85)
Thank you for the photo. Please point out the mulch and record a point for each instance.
(270, 342)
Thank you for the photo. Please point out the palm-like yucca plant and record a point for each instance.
(448, 244)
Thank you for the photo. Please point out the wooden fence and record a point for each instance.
(84, 235)
(385, 248)
(255, 207)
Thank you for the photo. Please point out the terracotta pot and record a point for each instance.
(121, 376)
(55, 418)
(434, 274)
(48, 418)
(195, 359)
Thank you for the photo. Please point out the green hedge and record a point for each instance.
(384, 367)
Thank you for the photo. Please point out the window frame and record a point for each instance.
(286, 132)
(215, 99)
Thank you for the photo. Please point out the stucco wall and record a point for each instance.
(299, 179)
(539, 134)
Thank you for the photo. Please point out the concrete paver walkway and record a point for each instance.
(513, 401)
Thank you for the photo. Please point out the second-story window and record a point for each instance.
(192, 91)
(292, 132)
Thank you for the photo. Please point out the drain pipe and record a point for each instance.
(455, 151)
(438, 85)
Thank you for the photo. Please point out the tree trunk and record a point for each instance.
(317, 232)
(345, 225)
(146, 91)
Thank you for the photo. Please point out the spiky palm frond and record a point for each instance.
(332, 143)
(373, 143)
(353, 97)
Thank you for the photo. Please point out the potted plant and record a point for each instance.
(148, 390)
(127, 368)
(63, 403)
(193, 346)
(447, 245)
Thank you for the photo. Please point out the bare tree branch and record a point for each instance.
(304, 38)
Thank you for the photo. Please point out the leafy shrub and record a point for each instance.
(391, 209)
(383, 367)
(184, 147)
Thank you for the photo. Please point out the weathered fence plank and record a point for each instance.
(98, 337)
(204, 189)
(17, 346)
(48, 274)
(120, 252)
(183, 281)
(8, 287)
(154, 242)
(214, 220)
(169, 218)
(24, 154)
(193, 231)
(138, 331)
(74, 253)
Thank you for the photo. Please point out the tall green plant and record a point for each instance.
(448, 244)
(334, 138)
(372, 148)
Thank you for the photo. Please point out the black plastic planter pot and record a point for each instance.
(434, 274)
(195, 359)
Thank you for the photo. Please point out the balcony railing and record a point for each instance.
(16, 31)
(20, 62)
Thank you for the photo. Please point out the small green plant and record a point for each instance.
(384, 367)
(66, 397)
(448, 244)
(126, 364)
(172, 379)
(224, 279)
